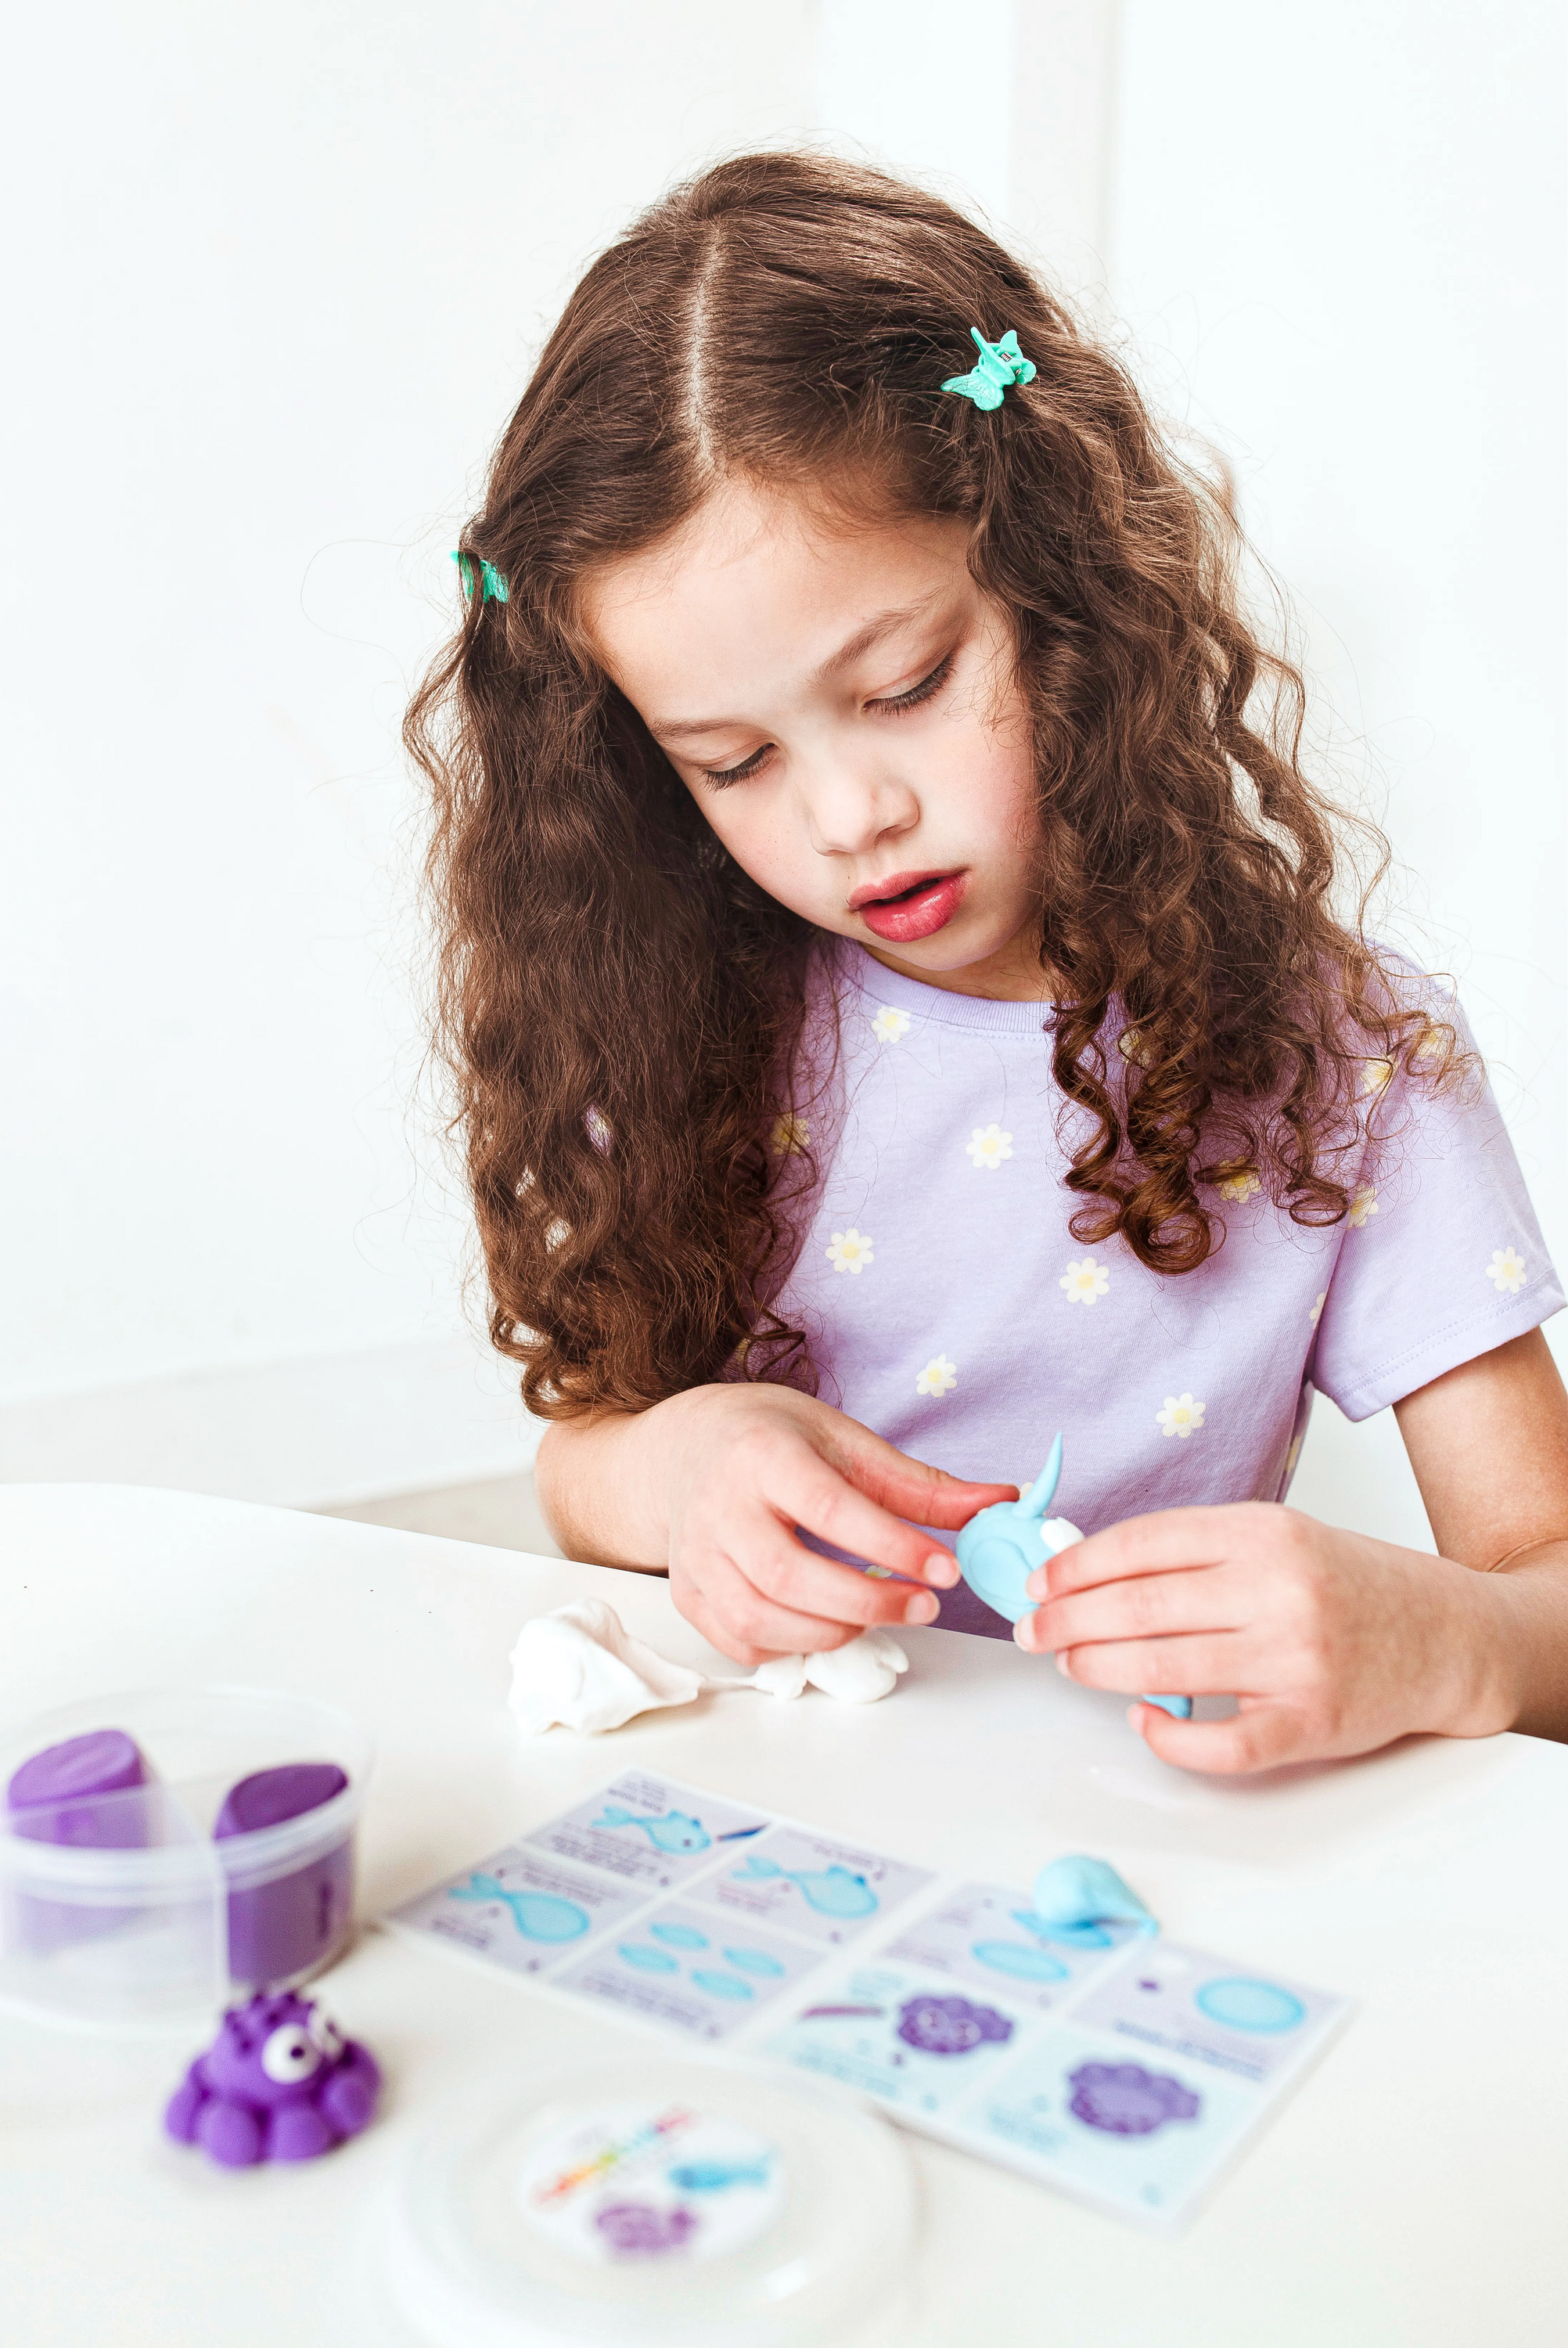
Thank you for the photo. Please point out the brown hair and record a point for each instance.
(619, 1000)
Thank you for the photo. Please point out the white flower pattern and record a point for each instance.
(889, 1025)
(791, 1133)
(1506, 1270)
(850, 1251)
(1364, 1203)
(1241, 1186)
(938, 1377)
(988, 1147)
(1181, 1416)
(1376, 1074)
(1318, 1302)
(1085, 1281)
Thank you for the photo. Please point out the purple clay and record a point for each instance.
(282, 1930)
(84, 1794)
(950, 2025)
(278, 2082)
(1124, 2099)
(638, 2230)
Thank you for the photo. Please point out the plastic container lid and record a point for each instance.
(666, 2204)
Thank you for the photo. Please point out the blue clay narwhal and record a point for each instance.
(1000, 1547)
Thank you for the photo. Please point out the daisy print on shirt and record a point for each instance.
(989, 1145)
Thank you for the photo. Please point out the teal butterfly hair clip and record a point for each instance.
(491, 581)
(1001, 365)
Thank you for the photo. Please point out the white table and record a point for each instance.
(1411, 2191)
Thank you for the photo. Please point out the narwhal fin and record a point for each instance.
(1043, 1489)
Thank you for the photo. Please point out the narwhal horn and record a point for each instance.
(1044, 1488)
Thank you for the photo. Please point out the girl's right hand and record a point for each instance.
(719, 1477)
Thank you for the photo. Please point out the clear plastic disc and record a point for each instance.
(649, 2204)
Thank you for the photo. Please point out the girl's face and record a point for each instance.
(840, 700)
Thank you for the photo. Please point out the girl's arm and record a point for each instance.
(712, 1485)
(1335, 1643)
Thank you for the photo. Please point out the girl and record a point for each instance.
(895, 971)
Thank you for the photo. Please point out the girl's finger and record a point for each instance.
(807, 1492)
(1154, 1605)
(1202, 1664)
(1171, 1540)
(908, 1488)
(1266, 1737)
(790, 1575)
(750, 1630)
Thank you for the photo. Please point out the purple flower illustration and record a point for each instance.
(950, 2025)
(1124, 2099)
(638, 2229)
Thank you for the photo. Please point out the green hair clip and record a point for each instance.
(1001, 365)
(494, 585)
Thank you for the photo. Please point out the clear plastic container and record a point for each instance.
(143, 1882)
(673, 2204)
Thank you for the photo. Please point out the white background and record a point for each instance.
(279, 275)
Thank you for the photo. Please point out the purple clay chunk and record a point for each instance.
(73, 1786)
(638, 2230)
(1124, 2099)
(950, 2025)
(84, 1795)
(280, 1930)
(278, 2083)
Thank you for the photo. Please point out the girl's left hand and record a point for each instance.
(1333, 1643)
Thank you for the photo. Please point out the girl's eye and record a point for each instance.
(916, 693)
(723, 775)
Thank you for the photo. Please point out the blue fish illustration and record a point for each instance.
(718, 2175)
(830, 1890)
(673, 1831)
(537, 1915)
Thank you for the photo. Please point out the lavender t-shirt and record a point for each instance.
(948, 1307)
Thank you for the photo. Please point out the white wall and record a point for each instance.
(281, 274)
(278, 275)
(1338, 238)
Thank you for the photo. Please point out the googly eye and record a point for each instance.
(324, 2034)
(288, 2056)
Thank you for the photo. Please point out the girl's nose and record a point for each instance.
(849, 808)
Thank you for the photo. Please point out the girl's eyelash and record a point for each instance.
(722, 775)
(892, 706)
(916, 694)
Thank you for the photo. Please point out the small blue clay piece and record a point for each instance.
(1000, 1547)
(278, 2082)
(1076, 1898)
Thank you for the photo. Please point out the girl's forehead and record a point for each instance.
(760, 578)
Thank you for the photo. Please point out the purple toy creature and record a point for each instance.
(278, 2082)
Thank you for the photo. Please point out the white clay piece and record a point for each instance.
(579, 1667)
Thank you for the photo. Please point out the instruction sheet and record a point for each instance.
(1130, 2072)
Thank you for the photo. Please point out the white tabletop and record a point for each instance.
(1411, 2190)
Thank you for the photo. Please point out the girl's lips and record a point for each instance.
(920, 910)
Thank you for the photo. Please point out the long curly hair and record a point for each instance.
(620, 1005)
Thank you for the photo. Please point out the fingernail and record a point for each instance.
(941, 1570)
(923, 1609)
(1061, 1665)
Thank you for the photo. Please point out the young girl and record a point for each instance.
(897, 971)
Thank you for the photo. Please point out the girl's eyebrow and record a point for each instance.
(866, 639)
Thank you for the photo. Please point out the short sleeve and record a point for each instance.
(1441, 1257)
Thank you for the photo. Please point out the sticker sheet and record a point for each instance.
(1128, 2074)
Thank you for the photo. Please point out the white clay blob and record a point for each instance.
(580, 1667)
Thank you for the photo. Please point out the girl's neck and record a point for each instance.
(1012, 975)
